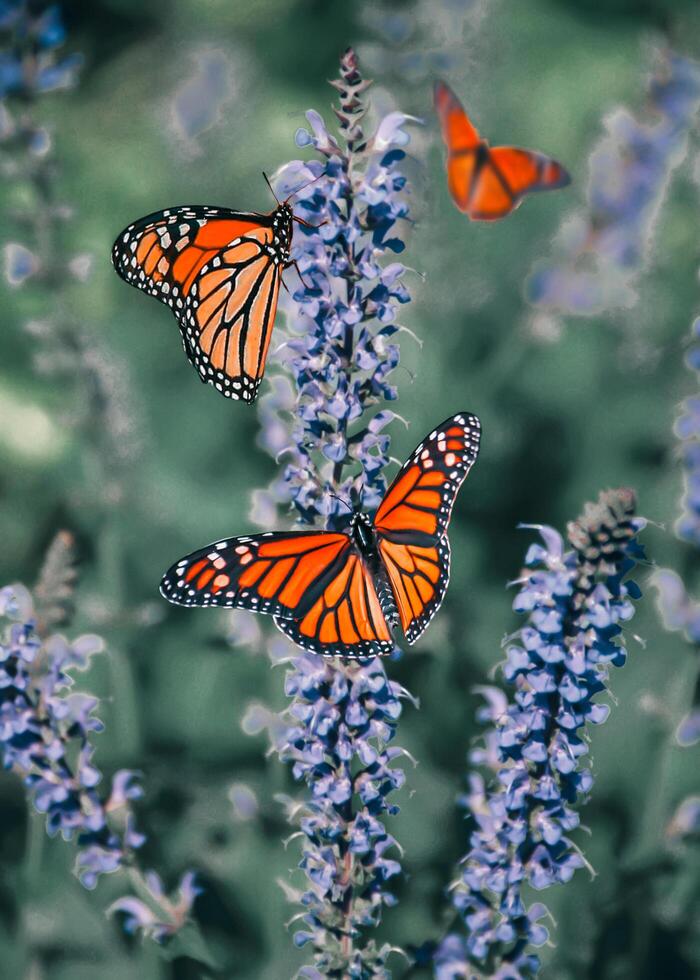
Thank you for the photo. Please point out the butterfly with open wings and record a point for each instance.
(345, 593)
(488, 183)
(219, 271)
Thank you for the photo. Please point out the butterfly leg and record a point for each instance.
(296, 266)
(307, 224)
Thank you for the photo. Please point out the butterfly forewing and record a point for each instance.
(314, 583)
(163, 252)
(458, 132)
(279, 573)
(412, 520)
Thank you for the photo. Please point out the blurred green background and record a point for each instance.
(564, 416)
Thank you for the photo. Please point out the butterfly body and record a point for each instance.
(366, 542)
(219, 272)
(485, 182)
(346, 593)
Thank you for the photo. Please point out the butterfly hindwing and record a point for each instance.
(346, 619)
(419, 576)
(229, 314)
(412, 521)
(506, 176)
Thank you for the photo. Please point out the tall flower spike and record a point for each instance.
(45, 725)
(687, 431)
(679, 611)
(575, 602)
(46, 732)
(341, 346)
(601, 251)
(30, 66)
(341, 721)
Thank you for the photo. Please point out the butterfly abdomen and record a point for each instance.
(387, 600)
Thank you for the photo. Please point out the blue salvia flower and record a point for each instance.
(337, 734)
(601, 251)
(575, 602)
(46, 730)
(341, 351)
(46, 738)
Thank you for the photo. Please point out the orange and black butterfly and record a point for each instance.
(488, 183)
(345, 593)
(219, 271)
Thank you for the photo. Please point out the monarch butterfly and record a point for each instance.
(219, 271)
(487, 184)
(344, 594)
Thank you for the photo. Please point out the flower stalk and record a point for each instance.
(576, 602)
(338, 729)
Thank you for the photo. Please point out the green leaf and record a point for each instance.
(189, 942)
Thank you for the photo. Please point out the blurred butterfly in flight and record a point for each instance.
(488, 183)
(219, 271)
(345, 593)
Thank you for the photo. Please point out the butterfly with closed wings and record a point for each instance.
(488, 183)
(219, 271)
(345, 593)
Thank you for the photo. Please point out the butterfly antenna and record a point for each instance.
(346, 504)
(304, 186)
(267, 181)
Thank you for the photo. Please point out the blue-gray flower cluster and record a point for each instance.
(679, 610)
(339, 728)
(687, 431)
(46, 729)
(30, 38)
(576, 602)
(46, 738)
(601, 251)
(340, 353)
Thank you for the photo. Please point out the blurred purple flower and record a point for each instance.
(601, 251)
(685, 823)
(158, 916)
(687, 430)
(45, 731)
(29, 64)
(575, 602)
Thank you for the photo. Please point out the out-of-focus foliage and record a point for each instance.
(566, 411)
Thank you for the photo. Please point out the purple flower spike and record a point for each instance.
(329, 433)
(46, 727)
(602, 250)
(557, 664)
